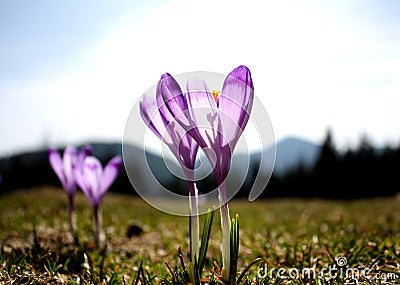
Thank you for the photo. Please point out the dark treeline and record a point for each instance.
(366, 171)
(354, 173)
(363, 172)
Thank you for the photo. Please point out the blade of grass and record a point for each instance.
(113, 279)
(205, 237)
(255, 261)
(186, 275)
(356, 253)
(103, 257)
(234, 252)
(376, 260)
(136, 282)
(196, 274)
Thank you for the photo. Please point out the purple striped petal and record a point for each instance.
(203, 115)
(78, 166)
(172, 91)
(203, 112)
(69, 158)
(77, 169)
(150, 115)
(57, 165)
(161, 122)
(167, 80)
(91, 174)
(174, 100)
(177, 105)
(85, 152)
(63, 167)
(183, 145)
(236, 101)
(109, 174)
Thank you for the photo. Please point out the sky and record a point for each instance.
(71, 71)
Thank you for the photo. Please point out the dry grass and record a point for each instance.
(37, 246)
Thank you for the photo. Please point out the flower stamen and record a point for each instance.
(215, 94)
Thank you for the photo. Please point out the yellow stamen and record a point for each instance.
(215, 94)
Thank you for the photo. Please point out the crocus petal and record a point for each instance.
(175, 102)
(174, 131)
(150, 115)
(235, 103)
(199, 97)
(202, 106)
(187, 156)
(169, 85)
(109, 174)
(57, 165)
(85, 152)
(78, 166)
(203, 115)
(172, 92)
(91, 174)
(184, 147)
(69, 158)
(77, 169)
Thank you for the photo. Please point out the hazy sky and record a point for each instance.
(70, 71)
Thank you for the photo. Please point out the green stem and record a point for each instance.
(194, 227)
(98, 227)
(226, 231)
(72, 218)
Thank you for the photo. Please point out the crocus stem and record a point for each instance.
(226, 229)
(194, 221)
(98, 227)
(72, 219)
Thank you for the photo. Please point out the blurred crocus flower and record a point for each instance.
(159, 119)
(94, 182)
(63, 169)
(215, 120)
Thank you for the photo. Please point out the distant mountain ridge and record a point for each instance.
(293, 151)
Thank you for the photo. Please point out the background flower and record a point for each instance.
(94, 182)
(63, 167)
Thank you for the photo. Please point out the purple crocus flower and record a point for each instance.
(159, 119)
(63, 169)
(215, 120)
(94, 182)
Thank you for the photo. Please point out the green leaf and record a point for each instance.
(190, 271)
(234, 246)
(205, 237)
(193, 273)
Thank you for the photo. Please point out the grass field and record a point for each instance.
(290, 235)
